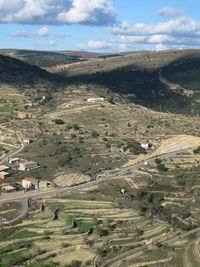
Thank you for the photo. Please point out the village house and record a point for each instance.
(8, 188)
(14, 160)
(146, 145)
(28, 165)
(3, 175)
(3, 168)
(30, 183)
(26, 141)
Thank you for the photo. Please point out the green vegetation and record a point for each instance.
(197, 150)
(134, 147)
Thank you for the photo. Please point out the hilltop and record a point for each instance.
(46, 59)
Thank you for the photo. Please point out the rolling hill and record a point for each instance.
(136, 76)
(17, 72)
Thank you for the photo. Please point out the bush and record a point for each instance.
(197, 150)
(162, 167)
(94, 134)
(59, 121)
(158, 161)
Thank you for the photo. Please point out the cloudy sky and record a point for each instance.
(99, 25)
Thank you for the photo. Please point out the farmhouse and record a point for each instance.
(3, 175)
(30, 183)
(28, 165)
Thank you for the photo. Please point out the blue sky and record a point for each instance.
(99, 25)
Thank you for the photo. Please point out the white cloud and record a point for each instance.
(89, 12)
(181, 31)
(94, 12)
(101, 45)
(169, 12)
(161, 47)
(95, 45)
(23, 34)
(42, 32)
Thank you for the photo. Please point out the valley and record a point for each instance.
(107, 201)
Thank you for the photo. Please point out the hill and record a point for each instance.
(136, 76)
(50, 58)
(17, 72)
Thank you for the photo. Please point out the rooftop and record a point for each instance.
(29, 162)
(3, 168)
(29, 179)
(4, 173)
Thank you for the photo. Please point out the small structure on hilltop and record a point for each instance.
(30, 183)
(3, 175)
(28, 165)
(95, 99)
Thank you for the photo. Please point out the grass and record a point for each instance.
(83, 227)
(17, 258)
(15, 246)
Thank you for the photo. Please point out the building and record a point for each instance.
(14, 160)
(97, 99)
(3, 175)
(146, 145)
(28, 165)
(26, 141)
(8, 188)
(3, 168)
(30, 183)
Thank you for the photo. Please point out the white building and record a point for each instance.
(97, 99)
(14, 160)
(28, 165)
(30, 183)
(146, 145)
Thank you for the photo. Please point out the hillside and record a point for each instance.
(50, 58)
(137, 77)
(17, 72)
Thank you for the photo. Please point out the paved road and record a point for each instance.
(23, 197)
(39, 194)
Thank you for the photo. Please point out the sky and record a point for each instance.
(100, 25)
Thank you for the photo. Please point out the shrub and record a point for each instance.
(94, 134)
(162, 167)
(59, 121)
(197, 150)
